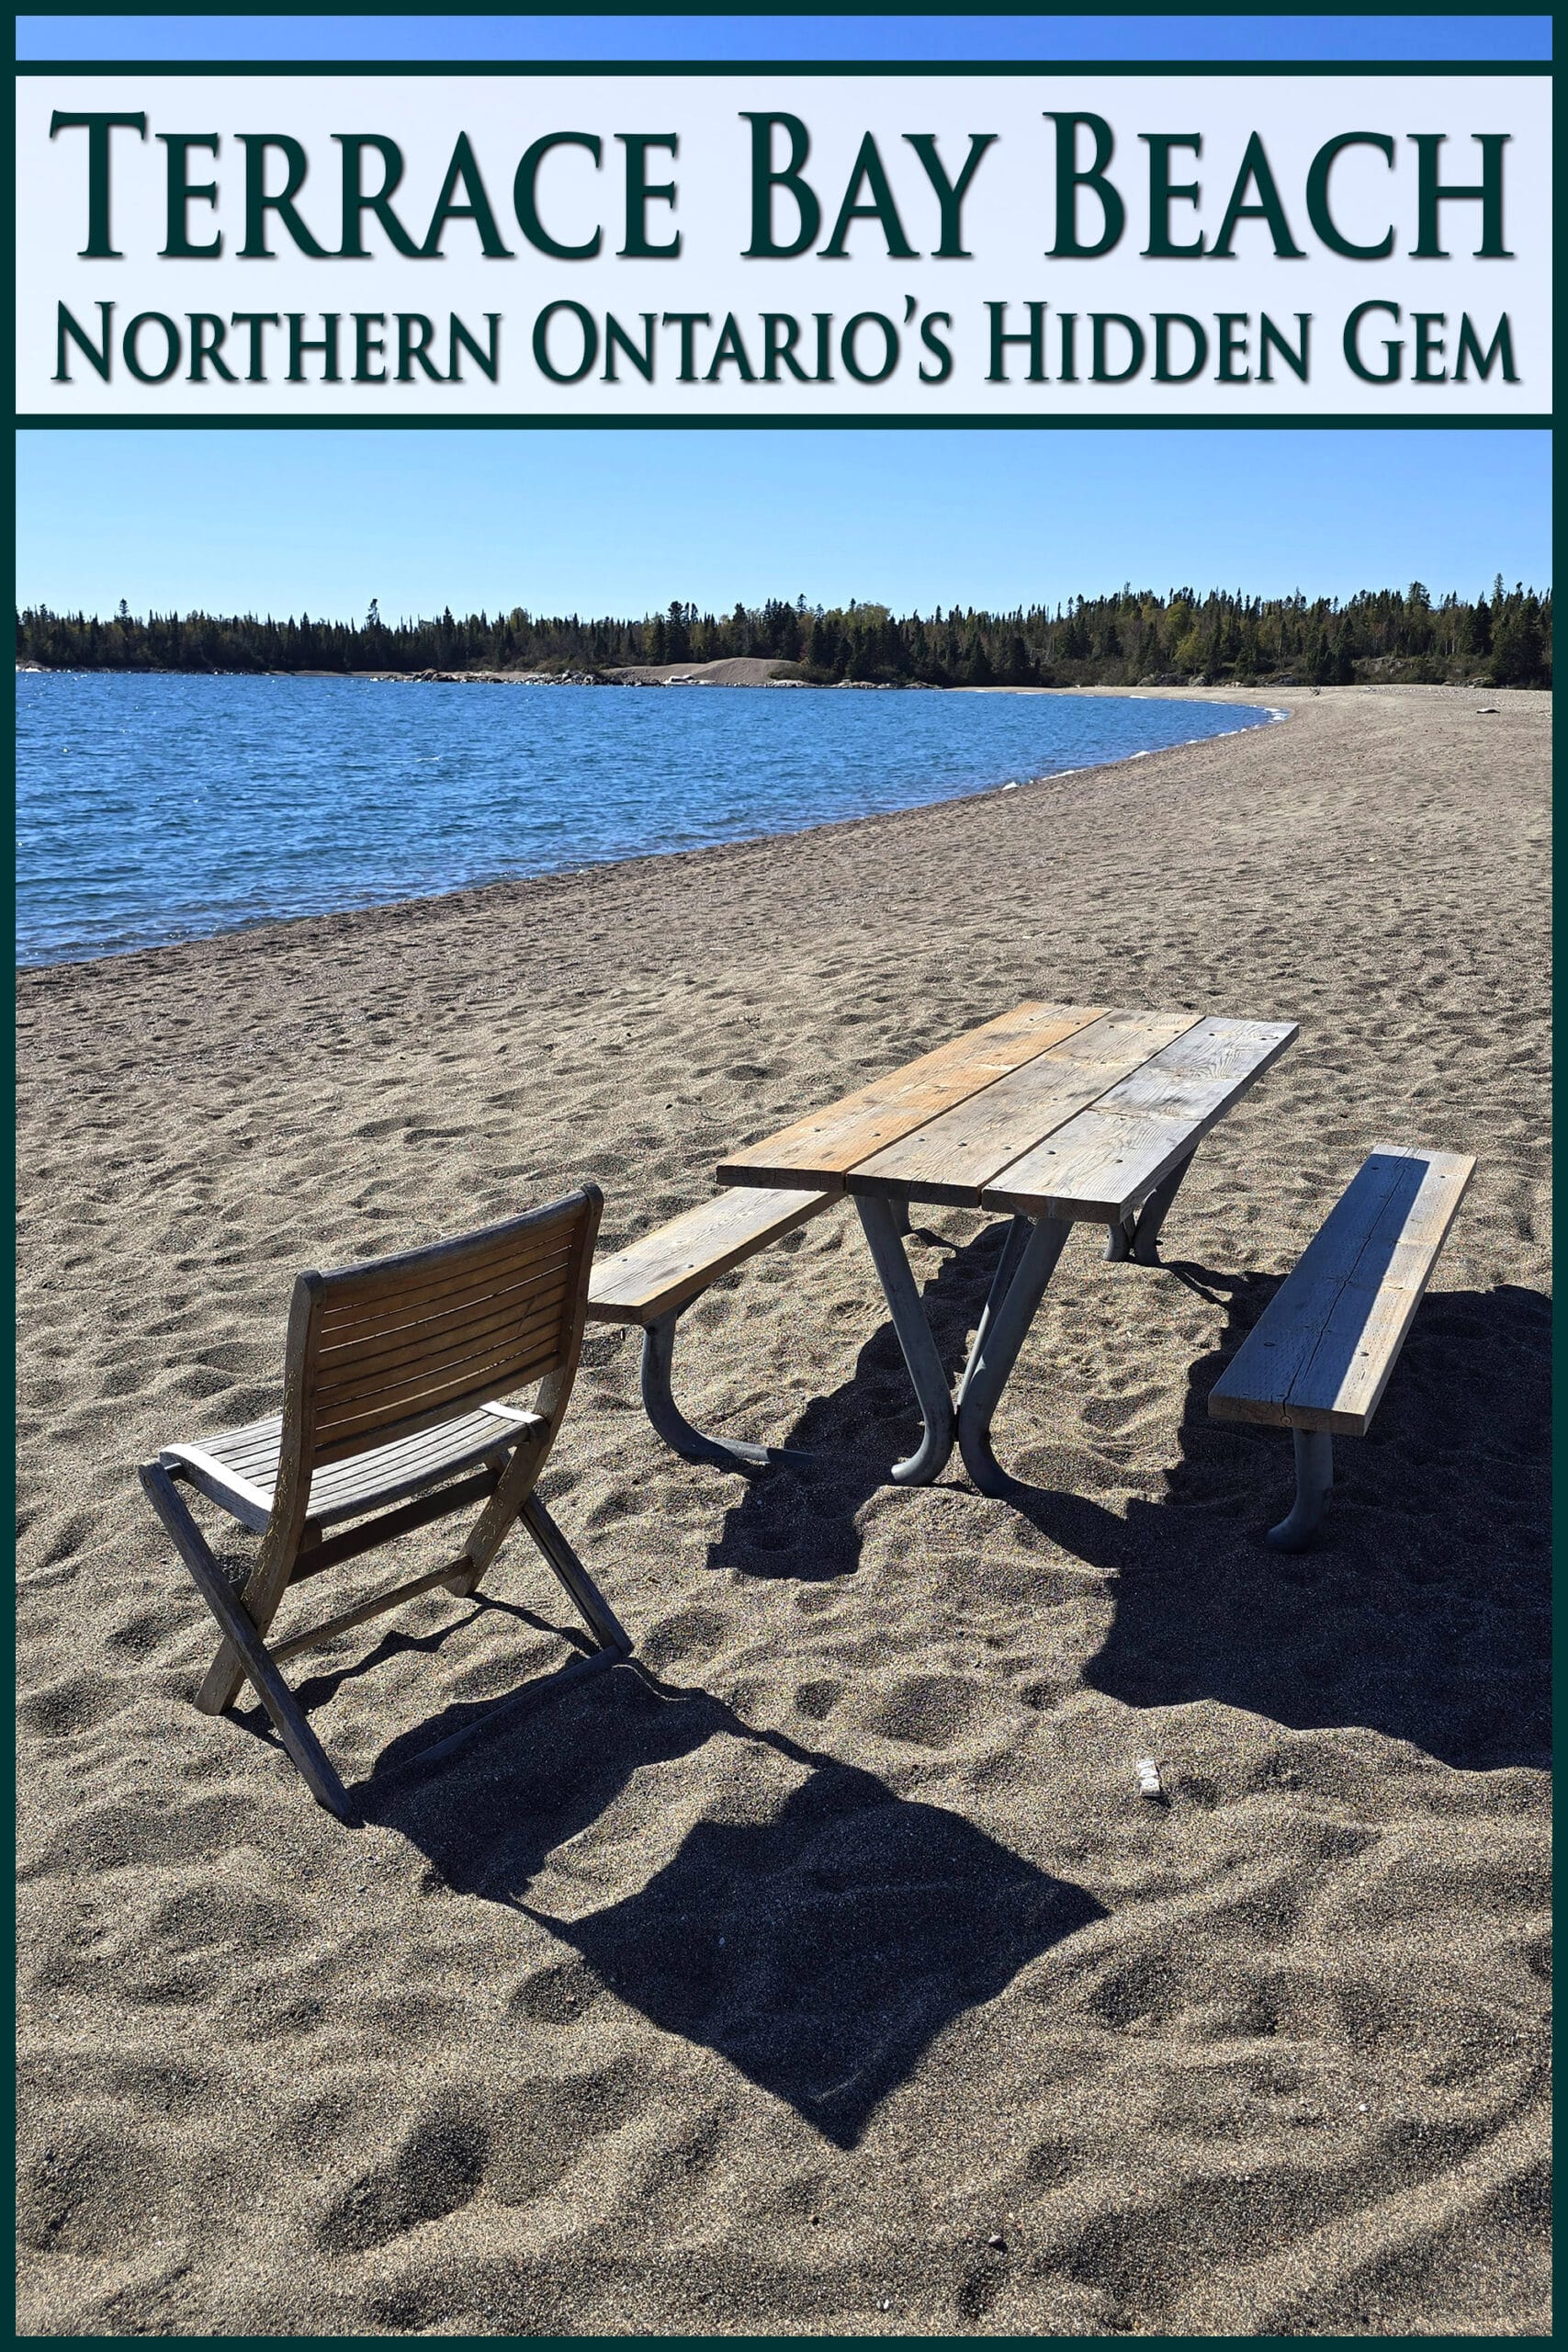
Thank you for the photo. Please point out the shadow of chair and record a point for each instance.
(818, 1949)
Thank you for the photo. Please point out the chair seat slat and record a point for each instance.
(341, 1489)
(426, 1412)
(501, 1368)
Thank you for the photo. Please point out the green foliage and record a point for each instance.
(1109, 641)
(1521, 650)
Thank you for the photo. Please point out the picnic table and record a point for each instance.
(1056, 1114)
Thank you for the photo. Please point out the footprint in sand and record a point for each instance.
(61, 1710)
(438, 2168)
(927, 1711)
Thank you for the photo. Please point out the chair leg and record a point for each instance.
(496, 1521)
(1315, 1480)
(591, 1604)
(262, 1591)
(304, 1749)
(515, 1501)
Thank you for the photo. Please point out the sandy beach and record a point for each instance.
(823, 1972)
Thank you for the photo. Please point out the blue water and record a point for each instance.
(155, 809)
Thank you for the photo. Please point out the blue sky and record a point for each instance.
(978, 36)
(1102, 37)
(551, 36)
(622, 521)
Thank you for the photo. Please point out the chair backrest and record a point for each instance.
(381, 1351)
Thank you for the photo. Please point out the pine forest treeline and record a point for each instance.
(1136, 637)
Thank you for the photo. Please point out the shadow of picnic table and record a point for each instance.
(1422, 1612)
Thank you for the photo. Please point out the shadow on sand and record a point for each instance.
(1421, 1611)
(803, 1523)
(821, 1944)
(819, 1949)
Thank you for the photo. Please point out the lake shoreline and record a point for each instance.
(283, 800)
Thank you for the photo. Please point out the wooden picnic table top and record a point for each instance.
(1065, 1111)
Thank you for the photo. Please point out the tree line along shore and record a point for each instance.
(1384, 636)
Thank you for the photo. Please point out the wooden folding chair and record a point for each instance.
(393, 1373)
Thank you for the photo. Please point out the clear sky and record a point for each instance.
(1103, 36)
(622, 521)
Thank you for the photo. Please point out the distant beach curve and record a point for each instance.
(158, 807)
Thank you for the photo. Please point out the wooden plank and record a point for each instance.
(425, 1410)
(390, 1597)
(415, 1272)
(1256, 1385)
(388, 1526)
(359, 1371)
(818, 1150)
(665, 1269)
(448, 1289)
(1320, 1355)
(247, 1500)
(952, 1158)
(1106, 1160)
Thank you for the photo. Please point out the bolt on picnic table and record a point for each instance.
(1056, 1114)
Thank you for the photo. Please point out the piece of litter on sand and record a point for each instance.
(1149, 1781)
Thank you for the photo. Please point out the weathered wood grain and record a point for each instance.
(818, 1150)
(662, 1270)
(1103, 1162)
(1320, 1355)
(953, 1158)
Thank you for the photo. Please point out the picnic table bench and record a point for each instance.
(651, 1281)
(1319, 1356)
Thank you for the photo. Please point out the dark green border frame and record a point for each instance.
(1445, 69)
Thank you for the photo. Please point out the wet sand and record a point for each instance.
(824, 1972)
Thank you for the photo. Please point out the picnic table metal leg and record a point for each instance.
(1013, 1244)
(996, 1350)
(1315, 1480)
(1156, 1209)
(880, 1225)
(1137, 1233)
(671, 1425)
